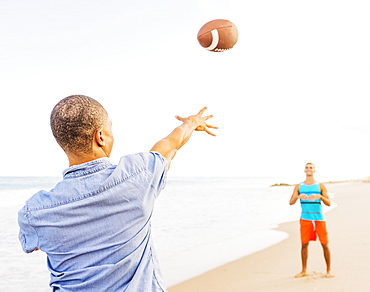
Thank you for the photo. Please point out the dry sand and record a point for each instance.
(273, 269)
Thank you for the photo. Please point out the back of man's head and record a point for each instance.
(74, 121)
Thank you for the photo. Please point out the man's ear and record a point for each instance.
(99, 138)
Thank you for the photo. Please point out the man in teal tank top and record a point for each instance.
(312, 221)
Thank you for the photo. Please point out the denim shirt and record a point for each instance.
(95, 227)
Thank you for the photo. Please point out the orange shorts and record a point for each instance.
(309, 230)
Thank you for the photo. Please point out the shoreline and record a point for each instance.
(273, 268)
(364, 180)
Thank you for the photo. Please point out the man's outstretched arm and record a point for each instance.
(169, 146)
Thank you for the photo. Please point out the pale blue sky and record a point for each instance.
(295, 88)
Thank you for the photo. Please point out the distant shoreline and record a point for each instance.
(363, 180)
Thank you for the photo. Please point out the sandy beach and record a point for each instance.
(273, 269)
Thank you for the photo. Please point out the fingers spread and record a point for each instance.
(202, 111)
(207, 117)
(202, 125)
(179, 118)
(213, 127)
(208, 132)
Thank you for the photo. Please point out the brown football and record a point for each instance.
(218, 35)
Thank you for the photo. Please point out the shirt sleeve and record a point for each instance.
(158, 166)
(27, 234)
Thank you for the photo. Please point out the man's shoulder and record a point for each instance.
(38, 201)
(142, 161)
(322, 186)
(141, 158)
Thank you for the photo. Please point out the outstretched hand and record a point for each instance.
(169, 145)
(200, 121)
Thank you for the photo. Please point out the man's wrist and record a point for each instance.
(190, 123)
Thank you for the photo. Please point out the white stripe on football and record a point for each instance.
(218, 35)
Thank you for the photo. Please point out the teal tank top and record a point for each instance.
(311, 210)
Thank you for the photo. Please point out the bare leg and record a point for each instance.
(304, 256)
(327, 257)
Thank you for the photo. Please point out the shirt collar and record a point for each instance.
(87, 167)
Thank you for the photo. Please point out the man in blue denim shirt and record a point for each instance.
(94, 225)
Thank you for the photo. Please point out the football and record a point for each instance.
(218, 35)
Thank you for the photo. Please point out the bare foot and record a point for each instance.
(301, 275)
(329, 275)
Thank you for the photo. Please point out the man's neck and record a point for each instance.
(79, 159)
(309, 180)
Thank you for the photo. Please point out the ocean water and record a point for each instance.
(198, 224)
